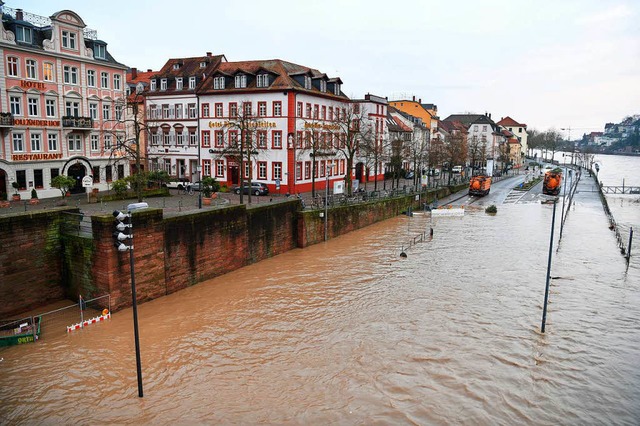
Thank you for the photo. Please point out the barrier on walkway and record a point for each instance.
(57, 322)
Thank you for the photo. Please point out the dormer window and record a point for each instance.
(218, 83)
(241, 81)
(68, 40)
(179, 83)
(139, 88)
(176, 66)
(323, 86)
(24, 34)
(100, 51)
(307, 82)
(152, 85)
(262, 80)
(163, 84)
(203, 64)
(336, 89)
(192, 82)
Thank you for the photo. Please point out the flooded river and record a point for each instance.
(347, 332)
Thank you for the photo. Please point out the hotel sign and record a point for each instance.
(322, 126)
(32, 84)
(238, 125)
(35, 157)
(35, 122)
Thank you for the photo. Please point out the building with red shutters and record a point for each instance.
(173, 110)
(61, 99)
(289, 114)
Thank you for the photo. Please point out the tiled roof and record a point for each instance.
(185, 68)
(283, 74)
(403, 127)
(508, 121)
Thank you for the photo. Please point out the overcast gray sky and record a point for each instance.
(560, 63)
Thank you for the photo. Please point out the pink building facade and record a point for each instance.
(62, 102)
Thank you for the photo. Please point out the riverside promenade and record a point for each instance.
(173, 204)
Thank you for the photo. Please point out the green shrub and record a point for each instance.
(63, 183)
(34, 193)
(491, 209)
(209, 186)
(120, 187)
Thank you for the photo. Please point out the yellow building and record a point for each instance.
(427, 112)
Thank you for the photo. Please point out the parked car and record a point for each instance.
(177, 183)
(257, 188)
(409, 175)
(456, 169)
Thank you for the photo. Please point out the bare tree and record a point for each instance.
(418, 150)
(455, 151)
(477, 152)
(352, 123)
(126, 137)
(245, 134)
(504, 155)
(397, 154)
(318, 141)
(373, 151)
(551, 141)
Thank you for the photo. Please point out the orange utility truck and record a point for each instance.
(552, 182)
(480, 185)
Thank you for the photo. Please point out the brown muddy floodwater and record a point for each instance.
(348, 333)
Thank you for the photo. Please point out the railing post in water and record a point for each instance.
(629, 245)
(546, 290)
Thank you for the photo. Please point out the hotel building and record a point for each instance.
(62, 101)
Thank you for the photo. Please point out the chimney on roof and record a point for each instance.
(209, 54)
(19, 15)
(420, 100)
(149, 70)
(414, 99)
(134, 73)
(489, 115)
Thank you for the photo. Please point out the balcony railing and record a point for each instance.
(77, 122)
(6, 120)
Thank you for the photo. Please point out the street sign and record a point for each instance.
(87, 182)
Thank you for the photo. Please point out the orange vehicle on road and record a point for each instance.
(552, 182)
(480, 185)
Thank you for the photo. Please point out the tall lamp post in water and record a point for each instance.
(120, 237)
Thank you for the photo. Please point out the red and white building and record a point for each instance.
(173, 110)
(374, 110)
(62, 99)
(289, 102)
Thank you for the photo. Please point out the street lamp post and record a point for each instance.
(119, 237)
(326, 202)
(198, 171)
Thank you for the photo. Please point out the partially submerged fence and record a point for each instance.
(19, 331)
(56, 322)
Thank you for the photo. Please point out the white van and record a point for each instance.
(456, 169)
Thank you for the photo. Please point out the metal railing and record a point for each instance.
(56, 322)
